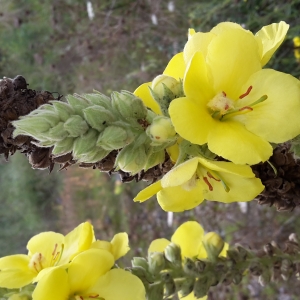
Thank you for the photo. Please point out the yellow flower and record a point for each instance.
(89, 276)
(231, 103)
(188, 184)
(45, 251)
(189, 236)
(296, 41)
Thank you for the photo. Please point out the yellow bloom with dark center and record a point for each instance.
(189, 236)
(89, 276)
(46, 251)
(188, 184)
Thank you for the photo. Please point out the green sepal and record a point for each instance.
(63, 109)
(63, 147)
(114, 137)
(99, 99)
(85, 143)
(98, 117)
(76, 126)
(94, 155)
(78, 103)
(154, 159)
(57, 133)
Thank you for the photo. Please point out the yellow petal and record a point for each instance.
(224, 250)
(119, 284)
(277, 118)
(234, 142)
(87, 267)
(120, 245)
(232, 56)
(102, 245)
(177, 199)
(45, 243)
(191, 120)
(227, 167)
(269, 38)
(189, 237)
(180, 174)
(78, 240)
(176, 67)
(14, 271)
(54, 285)
(143, 92)
(173, 151)
(158, 245)
(148, 192)
(238, 185)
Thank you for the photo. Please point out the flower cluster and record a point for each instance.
(75, 266)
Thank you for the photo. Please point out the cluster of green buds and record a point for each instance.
(166, 273)
(90, 126)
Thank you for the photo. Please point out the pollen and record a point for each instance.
(220, 104)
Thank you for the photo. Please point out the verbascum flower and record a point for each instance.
(46, 251)
(231, 103)
(189, 237)
(188, 184)
(89, 276)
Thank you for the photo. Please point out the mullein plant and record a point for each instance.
(79, 267)
(212, 114)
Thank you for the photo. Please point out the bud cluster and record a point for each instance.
(90, 126)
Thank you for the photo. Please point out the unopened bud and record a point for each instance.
(64, 146)
(94, 155)
(154, 159)
(57, 133)
(140, 262)
(98, 117)
(200, 266)
(156, 262)
(201, 287)
(166, 86)
(76, 126)
(185, 285)
(64, 110)
(161, 130)
(85, 143)
(114, 137)
(99, 99)
(169, 285)
(173, 254)
(189, 266)
(155, 291)
(213, 245)
(78, 103)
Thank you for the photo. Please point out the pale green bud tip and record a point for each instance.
(161, 81)
(173, 253)
(156, 262)
(213, 244)
(161, 129)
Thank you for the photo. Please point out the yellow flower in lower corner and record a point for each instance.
(45, 251)
(188, 184)
(189, 237)
(89, 276)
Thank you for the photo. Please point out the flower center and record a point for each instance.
(90, 296)
(223, 108)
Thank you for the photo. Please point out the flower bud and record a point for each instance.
(99, 99)
(156, 262)
(140, 262)
(213, 245)
(98, 117)
(114, 137)
(154, 159)
(76, 126)
(78, 103)
(161, 130)
(85, 143)
(170, 287)
(201, 287)
(64, 110)
(185, 286)
(155, 291)
(48, 116)
(57, 133)
(132, 159)
(162, 84)
(173, 254)
(94, 155)
(128, 105)
(64, 146)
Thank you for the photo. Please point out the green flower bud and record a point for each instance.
(132, 158)
(64, 110)
(140, 262)
(85, 143)
(128, 105)
(161, 130)
(170, 287)
(154, 159)
(114, 137)
(94, 155)
(189, 267)
(156, 262)
(162, 84)
(50, 117)
(98, 117)
(213, 245)
(99, 99)
(64, 146)
(57, 133)
(78, 103)
(155, 291)
(76, 126)
(173, 254)
(185, 285)
(201, 288)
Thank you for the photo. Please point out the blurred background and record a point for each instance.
(68, 46)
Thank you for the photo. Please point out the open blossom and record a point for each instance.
(89, 276)
(46, 251)
(190, 237)
(188, 184)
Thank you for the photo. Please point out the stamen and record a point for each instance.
(212, 177)
(224, 94)
(261, 99)
(94, 296)
(246, 107)
(208, 183)
(247, 93)
(54, 251)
